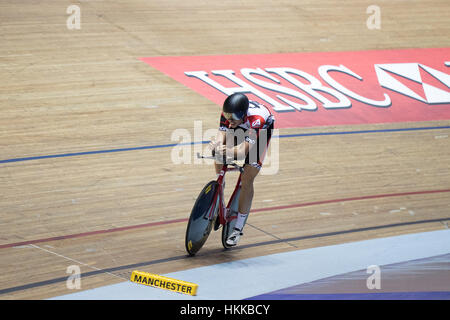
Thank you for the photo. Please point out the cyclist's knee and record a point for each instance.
(218, 167)
(248, 176)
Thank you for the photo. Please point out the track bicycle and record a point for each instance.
(210, 212)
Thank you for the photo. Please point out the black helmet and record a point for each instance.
(235, 106)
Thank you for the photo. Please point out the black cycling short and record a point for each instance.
(258, 146)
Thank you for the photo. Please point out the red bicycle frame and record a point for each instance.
(223, 217)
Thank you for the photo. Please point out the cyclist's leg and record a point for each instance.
(218, 167)
(245, 202)
(246, 195)
(251, 170)
(219, 140)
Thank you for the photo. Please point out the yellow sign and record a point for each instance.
(162, 282)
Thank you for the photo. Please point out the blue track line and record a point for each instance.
(204, 142)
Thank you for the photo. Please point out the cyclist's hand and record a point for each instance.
(212, 144)
(221, 150)
(213, 147)
(225, 155)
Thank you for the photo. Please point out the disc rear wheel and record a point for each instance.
(202, 218)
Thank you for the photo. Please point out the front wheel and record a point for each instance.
(231, 217)
(201, 218)
(228, 229)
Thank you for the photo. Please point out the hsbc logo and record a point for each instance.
(260, 80)
(325, 88)
(411, 71)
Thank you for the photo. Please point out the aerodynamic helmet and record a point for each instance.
(235, 106)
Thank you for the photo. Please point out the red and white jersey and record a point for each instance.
(258, 117)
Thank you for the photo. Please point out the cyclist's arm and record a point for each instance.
(240, 151)
(221, 137)
(222, 132)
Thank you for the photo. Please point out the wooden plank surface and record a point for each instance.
(67, 91)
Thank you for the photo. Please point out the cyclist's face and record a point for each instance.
(234, 123)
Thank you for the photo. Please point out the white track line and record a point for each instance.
(73, 260)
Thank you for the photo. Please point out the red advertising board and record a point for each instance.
(325, 88)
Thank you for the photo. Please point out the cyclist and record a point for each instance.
(253, 123)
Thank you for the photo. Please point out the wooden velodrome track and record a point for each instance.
(66, 91)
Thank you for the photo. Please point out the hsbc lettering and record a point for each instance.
(258, 80)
